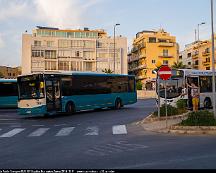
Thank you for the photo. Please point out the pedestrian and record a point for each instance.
(195, 93)
(184, 95)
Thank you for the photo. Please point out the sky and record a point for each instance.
(178, 17)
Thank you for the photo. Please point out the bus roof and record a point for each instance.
(77, 73)
(196, 72)
(7, 80)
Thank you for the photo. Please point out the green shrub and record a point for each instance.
(200, 118)
(181, 104)
(170, 111)
(139, 85)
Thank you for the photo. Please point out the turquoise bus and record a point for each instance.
(69, 92)
(8, 93)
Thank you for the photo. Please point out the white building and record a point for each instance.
(52, 49)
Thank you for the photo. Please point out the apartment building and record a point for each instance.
(197, 55)
(9, 72)
(54, 49)
(150, 48)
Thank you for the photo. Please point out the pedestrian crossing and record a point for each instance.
(38, 131)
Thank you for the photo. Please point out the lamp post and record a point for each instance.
(114, 43)
(203, 23)
(213, 59)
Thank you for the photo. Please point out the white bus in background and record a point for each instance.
(179, 79)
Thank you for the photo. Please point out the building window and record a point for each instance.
(189, 55)
(50, 43)
(189, 63)
(64, 65)
(50, 53)
(77, 53)
(152, 39)
(37, 43)
(153, 61)
(208, 59)
(207, 68)
(165, 52)
(165, 62)
(37, 53)
(180, 57)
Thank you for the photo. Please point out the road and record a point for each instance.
(106, 139)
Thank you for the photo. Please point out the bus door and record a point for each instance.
(190, 80)
(53, 95)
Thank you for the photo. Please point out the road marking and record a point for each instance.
(56, 125)
(12, 133)
(16, 125)
(65, 131)
(92, 131)
(119, 130)
(38, 125)
(8, 119)
(38, 132)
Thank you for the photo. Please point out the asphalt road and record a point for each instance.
(106, 139)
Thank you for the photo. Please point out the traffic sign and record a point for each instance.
(165, 72)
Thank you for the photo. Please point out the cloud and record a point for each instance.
(64, 13)
(12, 9)
(1, 42)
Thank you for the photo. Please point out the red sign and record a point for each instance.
(165, 72)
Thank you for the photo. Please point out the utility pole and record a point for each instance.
(114, 44)
(213, 57)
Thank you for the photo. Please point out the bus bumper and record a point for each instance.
(41, 110)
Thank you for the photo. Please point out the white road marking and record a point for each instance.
(38, 125)
(16, 125)
(8, 119)
(92, 131)
(65, 131)
(12, 133)
(56, 125)
(38, 132)
(119, 130)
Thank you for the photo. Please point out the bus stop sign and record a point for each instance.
(165, 72)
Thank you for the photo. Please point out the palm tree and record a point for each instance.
(179, 65)
(108, 71)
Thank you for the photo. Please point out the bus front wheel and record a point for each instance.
(118, 104)
(70, 108)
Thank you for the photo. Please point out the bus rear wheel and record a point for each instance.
(70, 108)
(207, 103)
(118, 104)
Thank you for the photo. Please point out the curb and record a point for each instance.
(175, 129)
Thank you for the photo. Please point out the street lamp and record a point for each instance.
(213, 59)
(203, 23)
(114, 43)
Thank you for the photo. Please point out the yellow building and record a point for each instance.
(149, 49)
(199, 54)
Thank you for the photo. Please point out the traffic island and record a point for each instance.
(197, 123)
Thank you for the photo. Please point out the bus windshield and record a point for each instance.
(174, 85)
(31, 87)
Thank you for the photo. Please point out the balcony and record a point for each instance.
(141, 77)
(140, 67)
(206, 53)
(164, 44)
(142, 45)
(165, 56)
(134, 49)
(206, 63)
(132, 59)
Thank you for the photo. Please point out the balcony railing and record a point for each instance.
(164, 44)
(206, 63)
(206, 53)
(165, 56)
(140, 67)
(141, 77)
(134, 49)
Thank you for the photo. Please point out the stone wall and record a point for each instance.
(142, 94)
